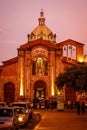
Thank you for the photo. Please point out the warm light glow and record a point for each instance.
(58, 92)
(80, 59)
(83, 94)
(21, 88)
(20, 119)
(21, 79)
(52, 85)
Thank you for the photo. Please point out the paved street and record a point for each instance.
(32, 122)
(61, 120)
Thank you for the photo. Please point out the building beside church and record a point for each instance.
(32, 73)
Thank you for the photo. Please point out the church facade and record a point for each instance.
(32, 73)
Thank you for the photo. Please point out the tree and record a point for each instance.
(75, 77)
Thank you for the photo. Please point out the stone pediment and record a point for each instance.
(37, 42)
(39, 51)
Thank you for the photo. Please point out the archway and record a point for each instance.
(40, 90)
(9, 92)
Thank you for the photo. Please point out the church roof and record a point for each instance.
(10, 61)
(39, 42)
(42, 28)
(42, 31)
(70, 41)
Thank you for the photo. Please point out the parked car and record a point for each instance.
(2, 104)
(8, 119)
(22, 104)
(86, 105)
(22, 116)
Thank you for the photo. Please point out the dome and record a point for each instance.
(42, 31)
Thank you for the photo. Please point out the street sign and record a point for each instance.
(60, 102)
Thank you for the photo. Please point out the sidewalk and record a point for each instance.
(61, 120)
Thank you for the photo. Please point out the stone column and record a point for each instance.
(21, 73)
(27, 75)
(52, 72)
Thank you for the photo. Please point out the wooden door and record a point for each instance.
(9, 92)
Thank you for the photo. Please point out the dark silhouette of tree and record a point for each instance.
(75, 77)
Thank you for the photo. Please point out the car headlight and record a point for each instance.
(8, 123)
(26, 111)
(20, 119)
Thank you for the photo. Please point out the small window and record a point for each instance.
(45, 68)
(33, 68)
(39, 65)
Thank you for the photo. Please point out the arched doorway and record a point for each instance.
(40, 90)
(9, 92)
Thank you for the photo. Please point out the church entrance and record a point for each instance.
(9, 92)
(39, 94)
(39, 90)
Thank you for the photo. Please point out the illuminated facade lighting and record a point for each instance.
(58, 92)
(80, 59)
(52, 87)
(21, 79)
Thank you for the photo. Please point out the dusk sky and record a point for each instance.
(66, 18)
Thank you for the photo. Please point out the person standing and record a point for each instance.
(51, 104)
(78, 108)
(47, 104)
(83, 108)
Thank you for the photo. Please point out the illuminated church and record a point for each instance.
(32, 73)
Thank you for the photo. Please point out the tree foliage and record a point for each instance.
(75, 77)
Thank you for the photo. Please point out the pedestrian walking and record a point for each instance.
(68, 104)
(83, 108)
(51, 104)
(47, 104)
(78, 108)
(55, 104)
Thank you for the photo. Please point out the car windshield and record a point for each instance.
(19, 105)
(6, 112)
(19, 110)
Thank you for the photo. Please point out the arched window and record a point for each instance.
(34, 67)
(39, 65)
(45, 68)
(9, 92)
